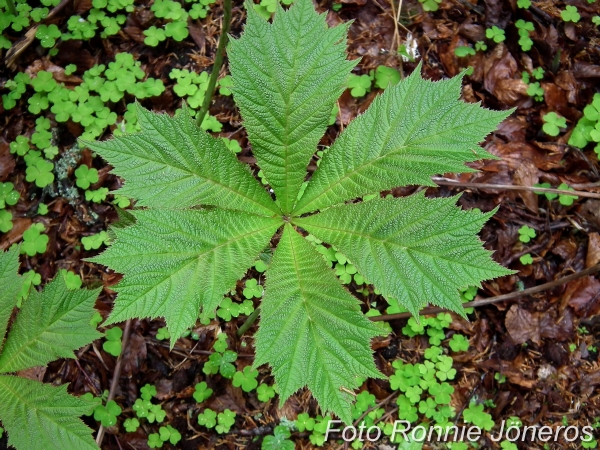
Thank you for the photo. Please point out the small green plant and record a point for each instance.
(570, 14)
(538, 73)
(221, 363)
(535, 90)
(144, 408)
(202, 392)
(524, 4)
(525, 29)
(464, 51)
(47, 34)
(5, 221)
(33, 241)
(50, 325)
(480, 46)
(526, 233)
(162, 333)
(279, 440)
(131, 425)
(225, 421)
(85, 176)
(264, 392)
(207, 418)
(495, 34)
(565, 199)
(459, 343)
(552, 123)
(206, 251)
(246, 379)
(8, 195)
(107, 414)
(94, 241)
(72, 280)
(474, 414)
(40, 172)
(548, 195)
(430, 5)
(526, 259)
(359, 85)
(386, 76)
(112, 345)
(595, 21)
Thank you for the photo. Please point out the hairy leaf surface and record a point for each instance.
(177, 262)
(41, 416)
(10, 286)
(412, 131)
(173, 163)
(287, 77)
(312, 332)
(51, 325)
(414, 249)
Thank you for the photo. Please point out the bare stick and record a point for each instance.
(498, 298)
(116, 375)
(218, 62)
(448, 182)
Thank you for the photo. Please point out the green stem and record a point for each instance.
(218, 62)
(249, 321)
(11, 7)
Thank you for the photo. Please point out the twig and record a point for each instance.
(448, 182)
(497, 298)
(396, 15)
(218, 62)
(383, 402)
(116, 374)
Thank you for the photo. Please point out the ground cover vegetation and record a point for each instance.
(336, 267)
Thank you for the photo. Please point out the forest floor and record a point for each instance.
(534, 357)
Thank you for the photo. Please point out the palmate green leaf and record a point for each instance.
(287, 77)
(10, 286)
(42, 416)
(312, 332)
(173, 163)
(51, 324)
(414, 249)
(177, 262)
(412, 131)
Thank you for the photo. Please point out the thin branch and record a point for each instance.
(218, 62)
(448, 182)
(497, 298)
(116, 375)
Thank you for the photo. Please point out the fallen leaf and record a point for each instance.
(522, 326)
(593, 250)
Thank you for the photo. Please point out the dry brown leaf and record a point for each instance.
(522, 325)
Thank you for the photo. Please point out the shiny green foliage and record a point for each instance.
(553, 123)
(207, 219)
(312, 330)
(302, 68)
(51, 324)
(430, 245)
(412, 131)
